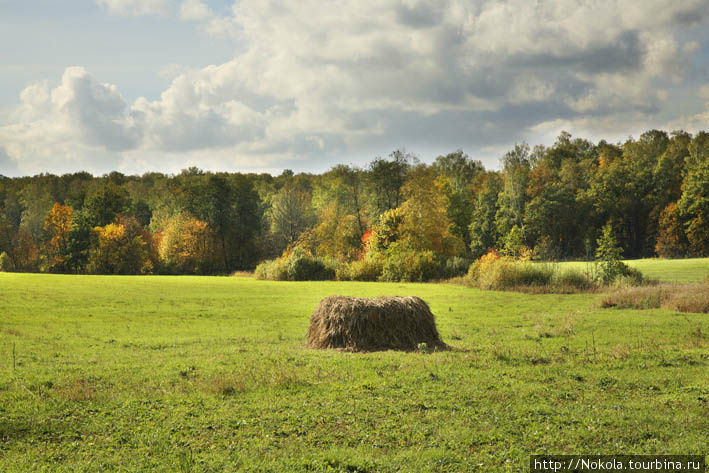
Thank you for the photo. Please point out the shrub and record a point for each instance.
(303, 267)
(409, 265)
(503, 273)
(608, 254)
(367, 269)
(299, 265)
(272, 270)
(630, 277)
(495, 272)
(455, 267)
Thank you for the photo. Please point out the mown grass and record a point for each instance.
(211, 374)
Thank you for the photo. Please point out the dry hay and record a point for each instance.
(381, 323)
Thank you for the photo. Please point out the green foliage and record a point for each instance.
(608, 255)
(272, 270)
(513, 242)
(291, 213)
(459, 173)
(105, 204)
(78, 243)
(365, 269)
(405, 264)
(694, 205)
(304, 267)
(672, 241)
(455, 267)
(483, 231)
(555, 200)
(6, 263)
(386, 179)
(116, 249)
(504, 273)
(388, 230)
(297, 265)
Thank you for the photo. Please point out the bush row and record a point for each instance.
(405, 265)
(496, 272)
(489, 272)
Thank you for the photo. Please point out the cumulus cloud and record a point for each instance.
(321, 81)
(69, 124)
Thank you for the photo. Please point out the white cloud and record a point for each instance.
(319, 79)
(135, 7)
(69, 125)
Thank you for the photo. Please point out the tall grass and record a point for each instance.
(677, 297)
(503, 273)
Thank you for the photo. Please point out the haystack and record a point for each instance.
(382, 323)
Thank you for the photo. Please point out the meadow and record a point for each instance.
(691, 270)
(158, 373)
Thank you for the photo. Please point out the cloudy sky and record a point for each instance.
(263, 85)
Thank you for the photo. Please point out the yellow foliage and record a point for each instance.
(188, 245)
(115, 251)
(57, 225)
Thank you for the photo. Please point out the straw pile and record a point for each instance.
(382, 323)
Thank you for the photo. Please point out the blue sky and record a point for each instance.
(263, 85)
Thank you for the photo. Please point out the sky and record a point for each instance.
(265, 85)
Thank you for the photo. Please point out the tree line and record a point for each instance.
(546, 203)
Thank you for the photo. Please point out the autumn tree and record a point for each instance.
(116, 250)
(57, 226)
(188, 246)
(425, 224)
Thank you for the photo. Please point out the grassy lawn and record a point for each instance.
(673, 271)
(211, 374)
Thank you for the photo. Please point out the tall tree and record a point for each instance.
(459, 173)
(386, 178)
(291, 212)
(483, 231)
(57, 226)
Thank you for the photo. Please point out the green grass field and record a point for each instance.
(211, 374)
(673, 271)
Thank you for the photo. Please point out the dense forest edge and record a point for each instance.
(395, 219)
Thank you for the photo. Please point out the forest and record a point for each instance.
(417, 221)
